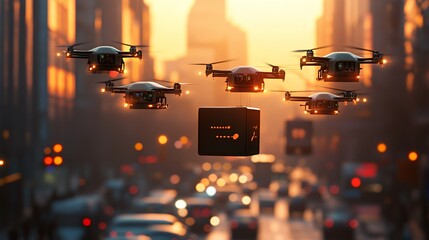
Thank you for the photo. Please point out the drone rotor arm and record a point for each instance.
(299, 98)
(220, 73)
(137, 54)
(78, 53)
(273, 75)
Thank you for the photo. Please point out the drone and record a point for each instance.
(104, 58)
(340, 66)
(324, 103)
(143, 94)
(243, 78)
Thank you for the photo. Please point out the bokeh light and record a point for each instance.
(180, 204)
(412, 156)
(206, 166)
(57, 148)
(381, 147)
(138, 146)
(162, 139)
(175, 179)
(211, 191)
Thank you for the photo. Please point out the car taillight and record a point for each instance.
(86, 222)
(133, 190)
(129, 234)
(329, 223)
(353, 223)
(252, 225)
(234, 224)
(198, 213)
(102, 225)
(334, 189)
(113, 234)
(109, 211)
(205, 212)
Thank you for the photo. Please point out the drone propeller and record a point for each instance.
(204, 64)
(339, 89)
(285, 91)
(129, 45)
(112, 80)
(375, 54)
(271, 65)
(308, 50)
(73, 45)
(362, 49)
(166, 81)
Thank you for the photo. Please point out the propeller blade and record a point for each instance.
(283, 91)
(339, 89)
(316, 48)
(229, 60)
(326, 46)
(362, 49)
(112, 80)
(301, 50)
(129, 45)
(223, 61)
(166, 81)
(271, 65)
(73, 45)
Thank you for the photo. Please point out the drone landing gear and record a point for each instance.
(161, 102)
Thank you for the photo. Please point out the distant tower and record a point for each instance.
(99, 117)
(209, 30)
(210, 37)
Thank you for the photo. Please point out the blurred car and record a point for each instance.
(170, 194)
(249, 188)
(168, 232)
(267, 200)
(115, 191)
(236, 202)
(153, 204)
(135, 224)
(283, 190)
(297, 206)
(314, 193)
(339, 223)
(139, 237)
(200, 215)
(223, 193)
(244, 225)
(80, 217)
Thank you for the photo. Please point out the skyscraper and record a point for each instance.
(45, 99)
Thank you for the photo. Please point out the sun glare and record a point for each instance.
(270, 36)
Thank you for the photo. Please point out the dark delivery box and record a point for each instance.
(228, 131)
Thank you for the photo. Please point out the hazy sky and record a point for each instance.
(273, 28)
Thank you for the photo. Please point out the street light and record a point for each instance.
(381, 148)
(138, 146)
(413, 156)
(162, 139)
(57, 148)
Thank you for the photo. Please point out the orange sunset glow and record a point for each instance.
(272, 32)
(216, 119)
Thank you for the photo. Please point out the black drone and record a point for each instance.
(340, 66)
(104, 58)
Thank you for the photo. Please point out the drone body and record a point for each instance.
(322, 103)
(104, 58)
(340, 66)
(244, 78)
(143, 94)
